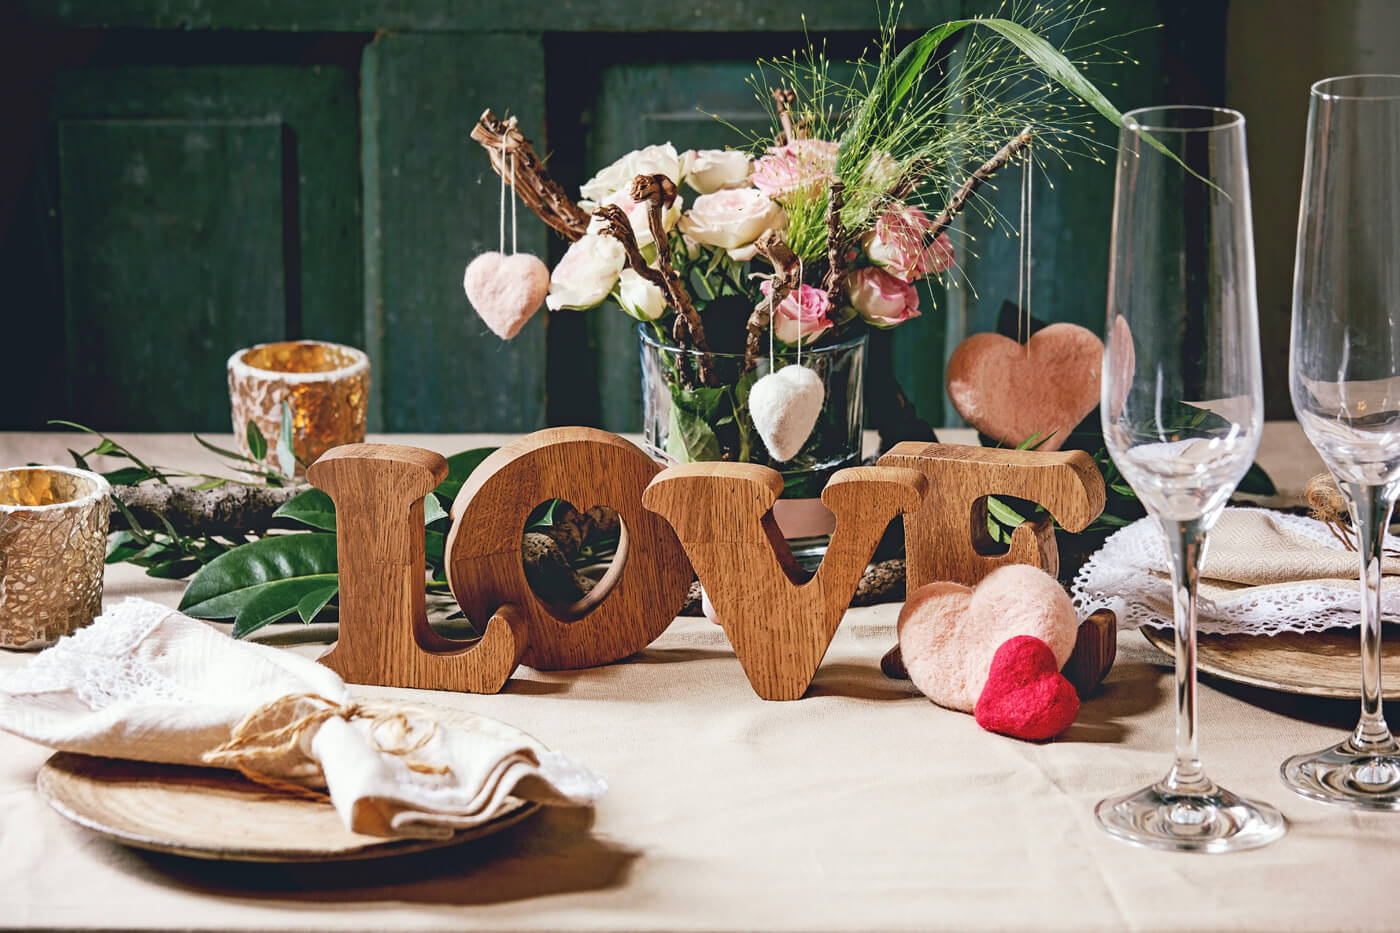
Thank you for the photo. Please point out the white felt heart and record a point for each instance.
(1012, 392)
(784, 406)
(506, 290)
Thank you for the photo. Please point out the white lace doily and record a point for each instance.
(1129, 576)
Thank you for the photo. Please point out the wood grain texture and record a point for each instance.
(946, 539)
(385, 639)
(779, 619)
(1095, 649)
(633, 603)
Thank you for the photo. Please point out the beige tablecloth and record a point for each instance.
(861, 806)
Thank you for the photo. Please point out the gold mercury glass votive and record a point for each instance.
(53, 542)
(327, 385)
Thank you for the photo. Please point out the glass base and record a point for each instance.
(1347, 775)
(1215, 821)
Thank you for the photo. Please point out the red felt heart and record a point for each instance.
(1012, 392)
(1026, 696)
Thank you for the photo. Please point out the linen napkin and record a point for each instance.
(1264, 572)
(145, 682)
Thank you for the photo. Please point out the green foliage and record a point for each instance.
(263, 581)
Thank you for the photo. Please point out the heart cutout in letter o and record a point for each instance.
(948, 633)
(1026, 696)
(1012, 392)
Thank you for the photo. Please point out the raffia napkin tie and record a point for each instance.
(146, 683)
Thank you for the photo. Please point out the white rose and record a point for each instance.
(586, 274)
(733, 220)
(638, 216)
(710, 170)
(653, 160)
(639, 298)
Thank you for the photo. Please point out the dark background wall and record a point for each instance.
(181, 178)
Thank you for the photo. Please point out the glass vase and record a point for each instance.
(685, 421)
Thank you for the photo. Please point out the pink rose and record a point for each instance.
(880, 298)
(897, 242)
(939, 256)
(801, 164)
(802, 315)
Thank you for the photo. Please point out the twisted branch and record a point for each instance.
(659, 192)
(782, 99)
(617, 226)
(976, 180)
(836, 244)
(785, 269)
(539, 192)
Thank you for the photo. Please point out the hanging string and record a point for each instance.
(503, 190)
(799, 310)
(514, 240)
(1030, 227)
(1021, 254)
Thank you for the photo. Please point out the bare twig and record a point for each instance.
(233, 509)
(658, 192)
(836, 244)
(532, 183)
(785, 269)
(783, 99)
(617, 226)
(976, 179)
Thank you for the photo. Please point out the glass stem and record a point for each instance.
(1370, 514)
(1186, 545)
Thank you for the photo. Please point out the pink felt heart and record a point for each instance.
(506, 290)
(1011, 392)
(1025, 695)
(948, 634)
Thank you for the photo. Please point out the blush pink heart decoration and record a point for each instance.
(506, 290)
(949, 634)
(1011, 392)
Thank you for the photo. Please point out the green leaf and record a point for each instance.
(257, 444)
(212, 483)
(313, 602)
(176, 569)
(78, 460)
(1257, 483)
(221, 451)
(286, 456)
(435, 549)
(459, 467)
(312, 508)
(123, 546)
(1003, 512)
(126, 476)
(275, 602)
(690, 439)
(432, 509)
(285, 566)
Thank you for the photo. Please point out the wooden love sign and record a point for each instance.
(779, 618)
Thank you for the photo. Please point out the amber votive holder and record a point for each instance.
(53, 546)
(326, 385)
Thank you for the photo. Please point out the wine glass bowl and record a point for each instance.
(1344, 377)
(1183, 411)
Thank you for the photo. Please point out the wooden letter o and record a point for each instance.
(642, 591)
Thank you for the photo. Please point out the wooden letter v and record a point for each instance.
(779, 618)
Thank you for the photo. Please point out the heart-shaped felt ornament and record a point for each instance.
(784, 406)
(948, 634)
(1025, 695)
(1011, 392)
(506, 290)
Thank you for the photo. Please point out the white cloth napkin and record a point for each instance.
(145, 682)
(1264, 572)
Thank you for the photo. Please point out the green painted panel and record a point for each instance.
(529, 16)
(164, 270)
(431, 205)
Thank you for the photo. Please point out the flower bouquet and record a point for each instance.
(740, 264)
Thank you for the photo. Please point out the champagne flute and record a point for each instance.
(1182, 411)
(1344, 373)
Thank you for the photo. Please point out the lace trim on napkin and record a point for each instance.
(98, 662)
(1128, 576)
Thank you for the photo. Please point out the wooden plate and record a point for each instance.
(209, 813)
(1321, 664)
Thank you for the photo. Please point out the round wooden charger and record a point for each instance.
(214, 814)
(1321, 664)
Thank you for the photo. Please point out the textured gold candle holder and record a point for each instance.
(53, 543)
(326, 384)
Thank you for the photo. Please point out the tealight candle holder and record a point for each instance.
(326, 384)
(53, 544)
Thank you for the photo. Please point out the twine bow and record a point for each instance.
(254, 741)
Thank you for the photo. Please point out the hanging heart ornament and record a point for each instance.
(506, 290)
(784, 406)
